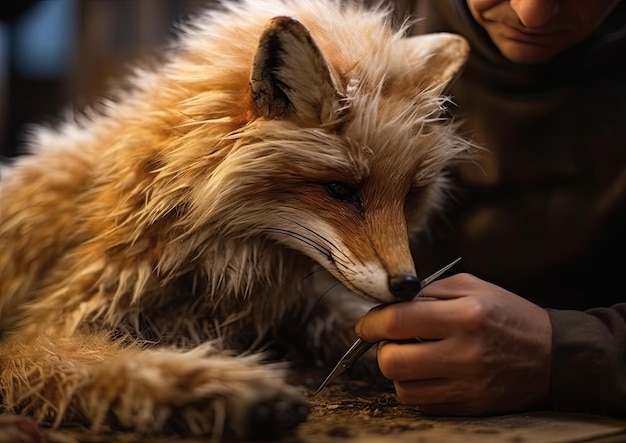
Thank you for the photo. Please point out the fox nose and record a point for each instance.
(404, 286)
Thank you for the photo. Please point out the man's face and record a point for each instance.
(534, 31)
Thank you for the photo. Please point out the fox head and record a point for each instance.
(342, 154)
(312, 125)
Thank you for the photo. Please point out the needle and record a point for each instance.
(360, 346)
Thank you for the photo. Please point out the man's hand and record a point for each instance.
(485, 350)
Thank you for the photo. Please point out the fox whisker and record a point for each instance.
(313, 272)
(326, 241)
(304, 239)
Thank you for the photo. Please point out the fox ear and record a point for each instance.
(438, 57)
(290, 76)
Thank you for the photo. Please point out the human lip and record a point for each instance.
(533, 35)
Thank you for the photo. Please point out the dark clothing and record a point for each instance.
(541, 210)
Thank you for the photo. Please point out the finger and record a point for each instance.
(439, 396)
(425, 393)
(427, 360)
(424, 319)
(455, 286)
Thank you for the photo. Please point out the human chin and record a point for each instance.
(524, 52)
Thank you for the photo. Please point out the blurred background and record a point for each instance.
(59, 55)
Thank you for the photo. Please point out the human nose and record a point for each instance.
(535, 13)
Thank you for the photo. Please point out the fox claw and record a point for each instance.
(268, 419)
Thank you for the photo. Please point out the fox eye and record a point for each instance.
(343, 192)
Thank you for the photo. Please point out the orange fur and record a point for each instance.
(277, 138)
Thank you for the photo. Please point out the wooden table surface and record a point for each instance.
(537, 427)
(390, 422)
(356, 411)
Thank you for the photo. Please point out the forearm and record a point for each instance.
(589, 360)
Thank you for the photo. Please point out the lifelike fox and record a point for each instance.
(146, 251)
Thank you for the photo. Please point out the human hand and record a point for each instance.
(487, 351)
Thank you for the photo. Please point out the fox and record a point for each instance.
(266, 175)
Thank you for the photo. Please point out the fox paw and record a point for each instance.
(268, 415)
(197, 392)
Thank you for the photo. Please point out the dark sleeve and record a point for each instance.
(589, 360)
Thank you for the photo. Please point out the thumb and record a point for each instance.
(385, 322)
(426, 318)
(454, 286)
(366, 326)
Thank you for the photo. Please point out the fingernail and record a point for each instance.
(357, 327)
